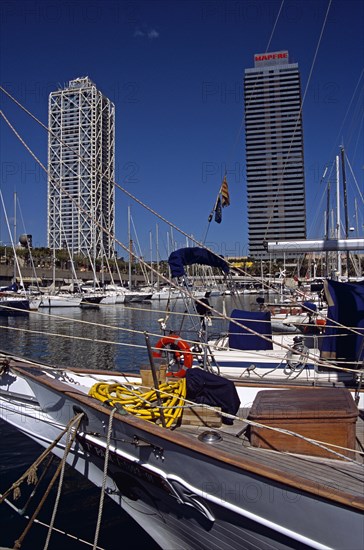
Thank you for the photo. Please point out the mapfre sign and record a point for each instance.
(275, 56)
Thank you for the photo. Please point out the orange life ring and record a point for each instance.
(321, 322)
(184, 350)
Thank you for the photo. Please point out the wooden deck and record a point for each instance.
(343, 479)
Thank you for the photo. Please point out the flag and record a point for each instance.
(218, 211)
(225, 197)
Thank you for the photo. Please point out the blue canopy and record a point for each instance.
(346, 307)
(258, 321)
(189, 256)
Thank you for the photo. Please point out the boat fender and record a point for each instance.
(180, 349)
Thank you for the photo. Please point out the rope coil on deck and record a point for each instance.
(145, 404)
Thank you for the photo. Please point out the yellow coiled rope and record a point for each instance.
(145, 404)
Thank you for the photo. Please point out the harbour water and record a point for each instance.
(103, 338)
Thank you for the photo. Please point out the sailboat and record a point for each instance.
(14, 300)
(11, 303)
(134, 295)
(250, 350)
(331, 243)
(194, 467)
(51, 297)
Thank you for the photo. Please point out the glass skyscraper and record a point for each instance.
(81, 170)
(274, 152)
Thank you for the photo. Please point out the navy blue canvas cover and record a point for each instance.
(209, 389)
(258, 321)
(346, 307)
(11, 288)
(310, 306)
(194, 255)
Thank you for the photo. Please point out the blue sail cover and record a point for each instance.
(346, 307)
(11, 288)
(189, 256)
(258, 321)
(309, 306)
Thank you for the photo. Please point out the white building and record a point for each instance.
(81, 170)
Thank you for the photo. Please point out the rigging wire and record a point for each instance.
(191, 342)
(240, 129)
(354, 178)
(298, 121)
(338, 138)
(96, 222)
(117, 185)
(320, 202)
(340, 131)
(78, 205)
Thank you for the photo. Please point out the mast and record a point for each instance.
(117, 269)
(157, 251)
(151, 259)
(327, 227)
(14, 237)
(338, 221)
(130, 248)
(93, 267)
(139, 252)
(345, 205)
(16, 263)
(108, 268)
(54, 267)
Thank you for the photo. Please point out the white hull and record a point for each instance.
(180, 490)
(108, 299)
(166, 294)
(34, 303)
(120, 298)
(59, 300)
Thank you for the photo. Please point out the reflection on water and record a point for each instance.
(109, 337)
(72, 336)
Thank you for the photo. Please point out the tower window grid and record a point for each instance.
(274, 155)
(81, 164)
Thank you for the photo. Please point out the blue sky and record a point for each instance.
(174, 70)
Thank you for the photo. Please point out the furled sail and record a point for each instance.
(194, 255)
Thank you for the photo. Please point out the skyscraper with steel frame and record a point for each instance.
(81, 170)
(274, 152)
